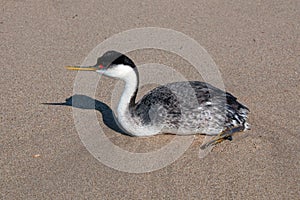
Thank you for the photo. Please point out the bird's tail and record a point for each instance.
(237, 115)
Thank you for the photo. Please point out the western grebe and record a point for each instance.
(181, 108)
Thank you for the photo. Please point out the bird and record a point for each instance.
(180, 108)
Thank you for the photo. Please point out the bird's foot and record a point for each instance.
(224, 135)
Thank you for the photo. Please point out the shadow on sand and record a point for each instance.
(85, 102)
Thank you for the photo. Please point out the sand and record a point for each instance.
(256, 46)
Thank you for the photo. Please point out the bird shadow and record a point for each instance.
(85, 102)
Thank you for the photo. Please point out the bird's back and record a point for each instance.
(190, 107)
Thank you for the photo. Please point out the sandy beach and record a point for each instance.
(255, 45)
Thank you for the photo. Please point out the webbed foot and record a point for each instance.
(224, 135)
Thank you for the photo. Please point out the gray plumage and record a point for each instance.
(189, 108)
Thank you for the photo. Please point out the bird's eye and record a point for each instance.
(101, 66)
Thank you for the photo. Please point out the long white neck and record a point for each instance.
(127, 100)
(126, 107)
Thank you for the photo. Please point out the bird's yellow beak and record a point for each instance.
(81, 68)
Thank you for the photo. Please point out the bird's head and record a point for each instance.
(112, 64)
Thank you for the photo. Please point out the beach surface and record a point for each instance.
(254, 44)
